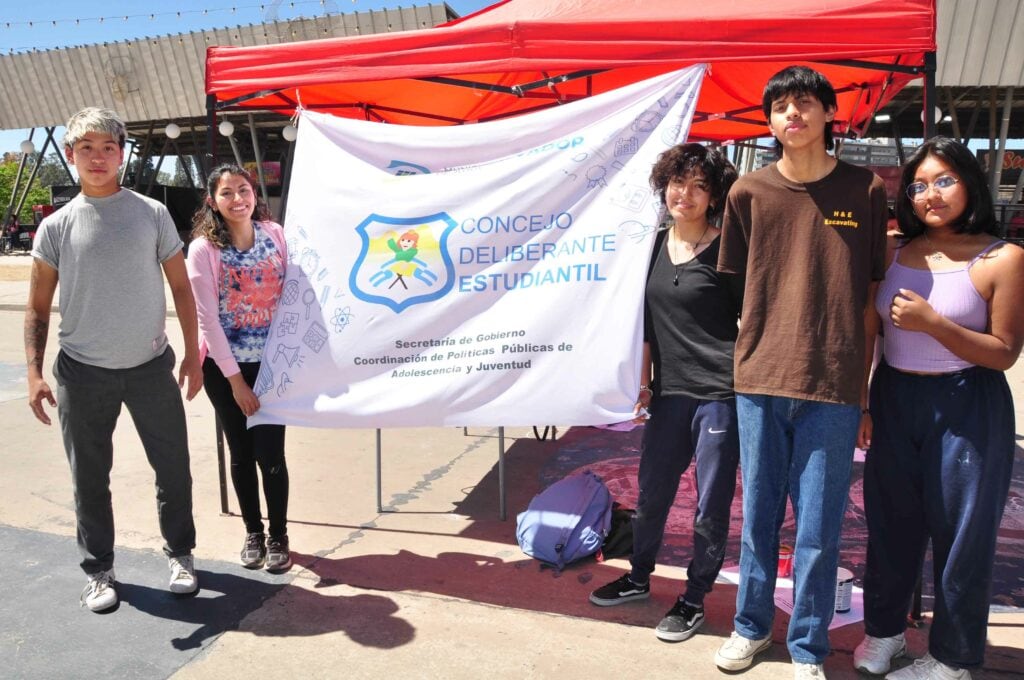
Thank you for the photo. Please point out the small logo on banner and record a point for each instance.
(403, 261)
(403, 168)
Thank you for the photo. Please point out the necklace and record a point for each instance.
(695, 247)
(935, 255)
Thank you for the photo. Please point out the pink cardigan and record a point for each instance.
(203, 266)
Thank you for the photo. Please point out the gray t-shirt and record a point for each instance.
(108, 254)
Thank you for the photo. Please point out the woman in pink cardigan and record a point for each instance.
(236, 264)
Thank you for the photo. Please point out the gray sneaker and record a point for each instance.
(183, 575)
(278, 557)
(254, 550)
(99, 593)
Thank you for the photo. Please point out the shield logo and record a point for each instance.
(403, 261)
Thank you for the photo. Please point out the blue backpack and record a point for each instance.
(567, 521)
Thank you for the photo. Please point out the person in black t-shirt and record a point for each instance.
(690, 326)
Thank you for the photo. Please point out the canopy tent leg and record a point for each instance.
(221, 466)
(501, 473)
(380, 507)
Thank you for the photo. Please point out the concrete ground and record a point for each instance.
(433, 587)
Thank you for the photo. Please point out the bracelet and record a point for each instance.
(864, 411)
(646, 388)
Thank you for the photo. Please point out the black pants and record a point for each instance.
(262, 445)
(681, 429)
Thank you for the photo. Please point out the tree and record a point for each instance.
(36, 195)
(51, 172)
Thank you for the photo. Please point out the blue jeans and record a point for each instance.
(681, 429)
(803, 449)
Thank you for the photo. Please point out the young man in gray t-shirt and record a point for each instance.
(107, 248)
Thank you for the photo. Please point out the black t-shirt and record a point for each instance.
(690, 316)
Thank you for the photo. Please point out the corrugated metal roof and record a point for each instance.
(981, 43)
(162, 78)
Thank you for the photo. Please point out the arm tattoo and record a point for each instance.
(36, 331)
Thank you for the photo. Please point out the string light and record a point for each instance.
(325, 9)
(152, 16)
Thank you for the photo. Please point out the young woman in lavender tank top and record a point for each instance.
(940, 430)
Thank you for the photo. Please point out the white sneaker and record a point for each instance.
(183, 575)
(738, 652)
(808, 671)
(99, 593)
(929, 668)
(875, 655)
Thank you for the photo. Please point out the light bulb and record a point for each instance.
(27, 147)
(172, 131)
(226, 128)
(289, 132)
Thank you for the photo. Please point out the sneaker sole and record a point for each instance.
(103, 608)
(672, 636)
(864, 669)
(278, 568)
(739, 664)
(178, 589)
(258, 564)
(601, 602)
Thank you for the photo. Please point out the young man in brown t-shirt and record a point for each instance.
(808, 233)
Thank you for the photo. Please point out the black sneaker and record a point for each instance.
(278, 557)
(619, 591)
(680, 623)
(254, 552)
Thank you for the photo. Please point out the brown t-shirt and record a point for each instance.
(809, 252)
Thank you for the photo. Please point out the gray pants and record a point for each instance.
(89, 401)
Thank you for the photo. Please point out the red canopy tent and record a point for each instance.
(519, 55)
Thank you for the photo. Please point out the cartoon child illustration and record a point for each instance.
(404, 263)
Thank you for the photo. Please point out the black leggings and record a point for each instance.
(263, 445)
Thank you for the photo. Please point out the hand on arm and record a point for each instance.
(191, 371)
(999, 345)
(42, 285)
(643, 399)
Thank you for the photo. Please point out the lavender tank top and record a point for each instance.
(950, 293)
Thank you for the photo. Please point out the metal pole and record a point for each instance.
(1004, 130)
(234, 150)
(501, 473)
(211, 129)
(221, 469)
(380, 506)
(259, 158)
(930, 98)
(17, 183)
(127, 162)
(156, 170)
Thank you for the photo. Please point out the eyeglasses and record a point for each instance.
(917, 190)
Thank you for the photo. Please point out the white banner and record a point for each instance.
(487, 274)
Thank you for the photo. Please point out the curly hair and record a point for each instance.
(208, 223)
(979, 214)
(685, 159)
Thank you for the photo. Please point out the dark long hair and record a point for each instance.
(684, 159)
(978, 216)
(209, 223)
